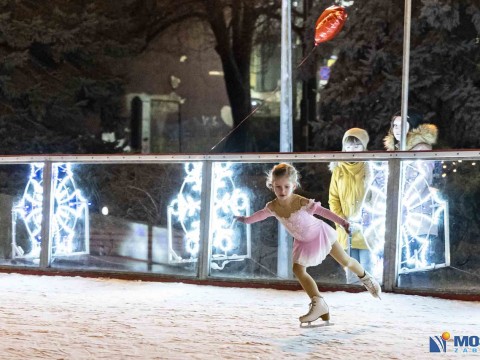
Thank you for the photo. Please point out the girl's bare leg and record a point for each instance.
(307, 282)
(368, 280)
(343, 259)
(318, 306)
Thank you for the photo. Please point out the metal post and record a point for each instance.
(392, 228)
(286, 80)
(405, 71)
(205, 214)
(286, 136)
(396, 174)
(47, 213)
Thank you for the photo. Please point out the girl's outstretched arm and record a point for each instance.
(258, 216)
(330, 215)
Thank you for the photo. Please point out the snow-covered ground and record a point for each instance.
(43, 317)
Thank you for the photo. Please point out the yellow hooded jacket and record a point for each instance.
(346, 196)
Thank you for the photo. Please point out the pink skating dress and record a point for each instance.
(313, 238)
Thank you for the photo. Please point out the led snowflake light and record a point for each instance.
(372, 216)
(227, 201)
(422, 208)
(186, 209)
(422, 211)
(68, 204)
(375, 207)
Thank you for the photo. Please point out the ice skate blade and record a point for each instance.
(377, 297)
(312, 324)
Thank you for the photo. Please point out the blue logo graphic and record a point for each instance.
(458, 343)
(437, 344)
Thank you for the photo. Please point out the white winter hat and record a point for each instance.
(358, 133)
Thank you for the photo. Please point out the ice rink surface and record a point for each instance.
(54, 317)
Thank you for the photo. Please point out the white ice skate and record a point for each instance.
(371, 285)
(318, 309)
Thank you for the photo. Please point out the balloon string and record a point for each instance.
(240, 123)
(260, 106)
(306, 57)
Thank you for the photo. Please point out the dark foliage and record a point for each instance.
(365, 86)
(58, 91)
(235, 27)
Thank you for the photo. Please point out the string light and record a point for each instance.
(69, 207)
(372, 218)
(422, 209)
(227, 202)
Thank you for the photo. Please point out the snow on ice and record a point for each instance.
(54, 317)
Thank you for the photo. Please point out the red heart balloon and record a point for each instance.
(329, 23)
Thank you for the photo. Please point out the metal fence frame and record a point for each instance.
(390, 274)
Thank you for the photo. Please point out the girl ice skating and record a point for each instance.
(313, 238)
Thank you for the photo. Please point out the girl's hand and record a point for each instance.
(240, 218)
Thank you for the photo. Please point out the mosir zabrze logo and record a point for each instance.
(456, 344)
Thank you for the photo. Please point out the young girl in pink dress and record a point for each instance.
(313, 238)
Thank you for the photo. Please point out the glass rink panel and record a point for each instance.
(264, 250)
(177, 217)
(20, 214)
(128, 217)
(242, 251)
(439, 245)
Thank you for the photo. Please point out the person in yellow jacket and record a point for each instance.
(347, 192)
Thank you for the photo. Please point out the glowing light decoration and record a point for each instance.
(227, 201)
(423, 211)
(185, 208)
(375, 207)
(372, 218)
(69, 207)
(422, 208)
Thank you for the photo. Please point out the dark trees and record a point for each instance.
(365, 87)
(235, 26)
(58, 68)
(57, 88)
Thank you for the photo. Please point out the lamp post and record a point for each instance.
(286, 136)
(286, 143)
(405, 70)
(393, 224)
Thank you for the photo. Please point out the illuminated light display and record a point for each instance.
(227, 201)
(69, 207)
(423, 211)
(185, 208)
(375, 207)
(422, 208)
(372, 218)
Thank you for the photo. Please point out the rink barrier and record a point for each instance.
(390, 271)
